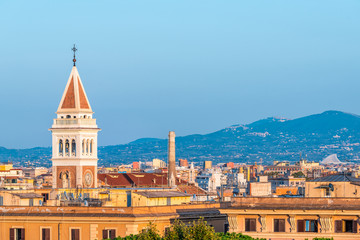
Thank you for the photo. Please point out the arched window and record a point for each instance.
(68, 116)
(61, 149)
(83, 146)
(73, 147)
(87, 146)
(91, 146)
(67, 147)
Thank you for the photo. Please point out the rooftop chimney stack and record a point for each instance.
(171, 160)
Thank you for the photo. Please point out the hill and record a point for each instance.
(319, 135)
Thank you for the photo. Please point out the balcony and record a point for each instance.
(74, 122)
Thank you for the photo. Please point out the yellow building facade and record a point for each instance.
(75, 223)
(294, 218)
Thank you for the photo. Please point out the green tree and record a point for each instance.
(200, 230)
(150, 233)
(178, 231)
(299, 174)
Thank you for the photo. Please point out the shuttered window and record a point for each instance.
(250, 224)
(346, 226)
(338, 226)
(279, 225)
(109, 233)
(307, 226)
(355, 226)
(17, 234)
(301, 226)
(75, 234)
(12, 233)
(45, 234)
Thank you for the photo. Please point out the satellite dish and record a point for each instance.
(331, 187)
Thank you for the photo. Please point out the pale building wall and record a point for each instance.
(341, 189)
(259, 189)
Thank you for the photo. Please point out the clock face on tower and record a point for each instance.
(88, 179)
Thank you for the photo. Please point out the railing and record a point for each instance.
(76, 121)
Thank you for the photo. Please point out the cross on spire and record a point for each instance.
(74, 49)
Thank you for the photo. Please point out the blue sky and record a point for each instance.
(190, 66)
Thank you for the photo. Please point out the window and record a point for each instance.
(226, 227)
(91, 146)
(279, 225)
(83, 146)
(61, 147)
(67, 147)
(75, 234)
(73, 147)
(345, 226)
(45, 234)
(17, 234)
(250, 224)
(307, 226)
(87, 146)
(109, 233)
(327, 192)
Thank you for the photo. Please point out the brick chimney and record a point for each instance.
(171, 160)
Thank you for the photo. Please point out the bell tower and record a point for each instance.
(74, 138)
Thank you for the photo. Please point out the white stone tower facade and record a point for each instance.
(74, 138)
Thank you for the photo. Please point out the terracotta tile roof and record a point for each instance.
(114, 180)
(69, 100)
(83, 102)
(191, 189)
(134, 179)
(74, 98)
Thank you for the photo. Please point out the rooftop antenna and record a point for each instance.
(74, 49)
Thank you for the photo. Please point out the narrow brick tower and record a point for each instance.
(171, 160)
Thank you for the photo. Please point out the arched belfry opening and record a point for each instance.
(61, 147)
(73, 147)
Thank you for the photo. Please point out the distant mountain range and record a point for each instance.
(269, 139)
